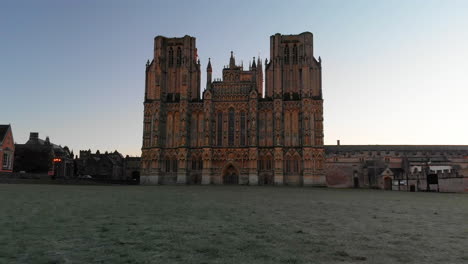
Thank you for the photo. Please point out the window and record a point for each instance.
(268, 163)
(296, 165)
(171, 57)
(294, 53)
(286, 54)
(220, 129)
(243, 128)
(174, 165)
(194, 164)
(261, 164)
(6, 161)
(179, 56)
(288, 165)
(169, 132)
(200, 164)
(231, 127)
(168, 165)
(195, 129)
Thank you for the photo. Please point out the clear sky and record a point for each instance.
(394, 72)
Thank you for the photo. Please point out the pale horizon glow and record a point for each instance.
(394, 72)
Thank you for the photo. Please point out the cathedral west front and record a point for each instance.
(234, 132)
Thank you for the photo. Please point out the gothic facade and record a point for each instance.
(234, 132)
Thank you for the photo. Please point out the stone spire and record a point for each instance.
(208, 74)
(254, 66)
(232, 61)
(208, 68)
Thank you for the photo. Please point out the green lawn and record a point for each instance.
(229, 224)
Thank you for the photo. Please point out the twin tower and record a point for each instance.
(234, 132)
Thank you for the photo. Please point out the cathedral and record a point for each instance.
(234, 132)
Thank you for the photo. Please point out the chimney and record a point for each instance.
(338, 142)
(33, 135)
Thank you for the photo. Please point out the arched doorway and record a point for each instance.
(387, 183)
(230, 176)
(136, 177)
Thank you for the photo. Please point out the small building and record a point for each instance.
(101, 165)
(7, 149)
(38, 156)
(108, 166)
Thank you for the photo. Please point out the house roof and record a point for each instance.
(3, 132)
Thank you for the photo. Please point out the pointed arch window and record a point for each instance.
(169, 131)
(286, 54)
(174, 165)
(294, 54)
(231, 127)
(194, 163)
(200, 164)
(296, 165)
(171, 57)
(268, 163)
(179, 56)
(219, 132)
(243, 140)
(288, 164)
(168, 164)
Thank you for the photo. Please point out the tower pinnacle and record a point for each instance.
(232, 61)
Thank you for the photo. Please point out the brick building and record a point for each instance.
(398, 167)
(7, 149)
(234, 132)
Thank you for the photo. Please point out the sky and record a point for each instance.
(393, 72)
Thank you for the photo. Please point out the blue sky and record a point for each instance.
(394, 72)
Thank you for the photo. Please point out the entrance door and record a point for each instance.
(356, 182)
(388, 183)
(231, 176)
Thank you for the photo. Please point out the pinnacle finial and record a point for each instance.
(232, 61)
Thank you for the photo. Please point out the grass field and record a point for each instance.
(229, 224)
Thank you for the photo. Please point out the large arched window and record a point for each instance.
(262, 128)
(219, 129)
(175, 135)
(200, 129)
(174, 165)
(168, 164)
(287, 128)
(288, 164)
(294, 54)
(286, 54)
(295, 128)
(194, 130)
(171, 57)
(269, 129)
(169, 132)
(179, 56)
(243, 136)
(296, 166)
(200, 164)
(194, 163)
(269, 162)
(231, 122)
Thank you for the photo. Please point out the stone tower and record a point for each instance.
(294, 83)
